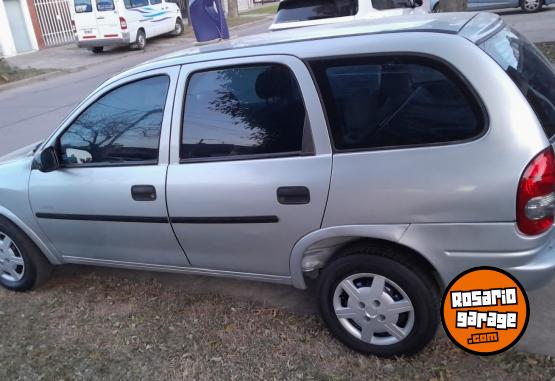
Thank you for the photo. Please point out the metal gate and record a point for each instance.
(55, 21)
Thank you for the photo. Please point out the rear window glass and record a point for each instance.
(375, 103)
(530, 71)
(82, 6)
(383, 5)
(304, 10)
(105, 5)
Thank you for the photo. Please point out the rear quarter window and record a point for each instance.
(387, 102)
(530, 71)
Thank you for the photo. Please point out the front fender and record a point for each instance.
(52, 258)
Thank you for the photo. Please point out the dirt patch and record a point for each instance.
(98, 327)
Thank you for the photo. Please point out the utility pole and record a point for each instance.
(232, 8)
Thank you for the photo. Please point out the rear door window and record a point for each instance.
(105, 5)
(375, 103)
(253, 111)
(530, 71)
(305, 10)
(83, 6)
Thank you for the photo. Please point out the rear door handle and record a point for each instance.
(143, 193)
(293, 195)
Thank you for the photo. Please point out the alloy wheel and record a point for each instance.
(531, 5)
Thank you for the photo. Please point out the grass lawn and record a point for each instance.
(89, 325)
(11, 74)
(262, 10)
(548, 48)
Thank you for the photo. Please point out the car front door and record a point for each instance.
(106, 203)
(250, 168)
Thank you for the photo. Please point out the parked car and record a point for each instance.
(381, 158)
(300, 13)
(100, 23)
(527, 6)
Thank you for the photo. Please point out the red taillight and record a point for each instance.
(122, 23)
(536, 194)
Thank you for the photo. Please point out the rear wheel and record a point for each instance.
(379, 305)
(531, 6)
(178, 30)
(22, 265)
(140, 42)
(97, 49)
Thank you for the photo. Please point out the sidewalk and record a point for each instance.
(70, 58)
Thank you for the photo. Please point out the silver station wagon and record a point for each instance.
(381, 158)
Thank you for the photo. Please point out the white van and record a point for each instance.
(100, 23)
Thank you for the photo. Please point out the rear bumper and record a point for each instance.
(125, 39)
(454, 248)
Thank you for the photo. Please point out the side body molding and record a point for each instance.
(391, 233)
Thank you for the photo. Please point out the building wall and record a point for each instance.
(6, 39)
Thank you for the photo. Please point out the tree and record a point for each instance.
(452, 5)
(232, 8)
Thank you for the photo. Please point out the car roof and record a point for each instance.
(447, 23)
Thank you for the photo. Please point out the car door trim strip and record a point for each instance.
(161, 220)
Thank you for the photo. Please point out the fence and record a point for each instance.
(55, 21)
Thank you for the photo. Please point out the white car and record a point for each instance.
(100, 23)
(301, 13)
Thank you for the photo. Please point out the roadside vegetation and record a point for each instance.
(91, 325)
(10, 73)
(548, 48)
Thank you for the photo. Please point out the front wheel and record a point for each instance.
(22, 265)
(378, 305)
(531, 6)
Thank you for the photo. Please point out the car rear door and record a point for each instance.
(250, 166)
(85, 19)
(106, 204)
(107, 19)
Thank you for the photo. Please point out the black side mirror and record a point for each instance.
(48, 160)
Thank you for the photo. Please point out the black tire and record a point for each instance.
(97, 49)
(529, 8)
(178, 31)
(37, 268)
(140, 42)
(412, 278)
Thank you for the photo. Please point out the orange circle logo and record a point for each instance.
(485, 311)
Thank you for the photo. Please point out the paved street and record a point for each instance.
(29, 113)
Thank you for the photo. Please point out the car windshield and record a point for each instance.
(530, 71)
(304, 10)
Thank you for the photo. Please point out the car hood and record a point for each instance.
(20, 153)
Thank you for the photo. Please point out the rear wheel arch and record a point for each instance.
(341, 245)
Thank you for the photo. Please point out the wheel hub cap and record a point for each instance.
(12, 265)
(373, 309)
